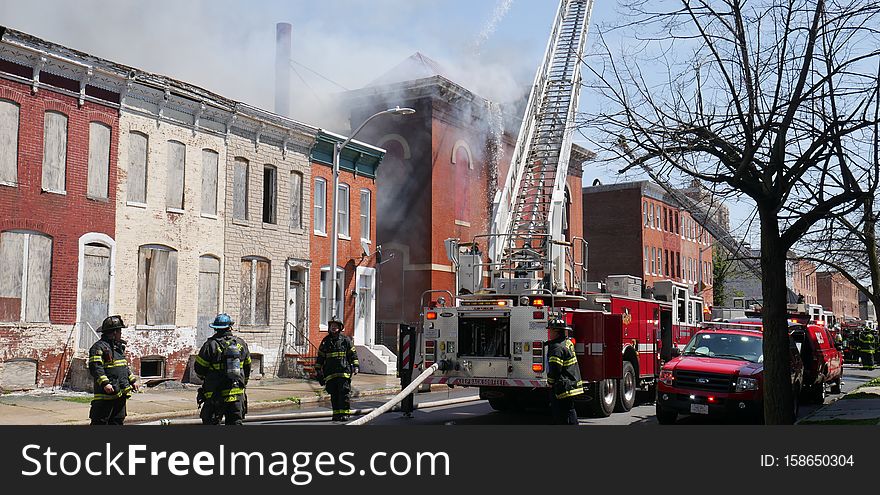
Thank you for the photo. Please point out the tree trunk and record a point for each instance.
(871, 247)
(778, 399)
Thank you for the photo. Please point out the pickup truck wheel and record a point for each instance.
(835, 386)
(665, 416)
(626, 389)
(606, 396)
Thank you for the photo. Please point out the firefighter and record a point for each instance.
(114, 381)
(337, 362)
(866, 346)
(563, 374)
(224, 364)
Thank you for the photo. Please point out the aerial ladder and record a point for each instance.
(526, 231)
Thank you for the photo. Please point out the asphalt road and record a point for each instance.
(480, 413)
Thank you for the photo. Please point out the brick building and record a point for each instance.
(838, 295)
(58, 147)
(442, 168)
(635, 229)
(356, 248)
(803, 280)
(266, 246)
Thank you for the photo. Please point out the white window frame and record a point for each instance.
(343, 210)
(365, 214)
(319, 222)
(324, 307)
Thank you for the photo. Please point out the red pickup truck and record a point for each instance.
(721, 372)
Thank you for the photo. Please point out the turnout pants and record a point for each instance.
(233, 412)
(563, 411)
(108, 412)
(868, 359)
(340, 397)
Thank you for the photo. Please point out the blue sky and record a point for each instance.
(227, 46)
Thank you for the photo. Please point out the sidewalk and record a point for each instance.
(858, 407)
(175, 400)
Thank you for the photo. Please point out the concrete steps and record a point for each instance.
(377, 359)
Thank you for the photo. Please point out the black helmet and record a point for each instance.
(557, 323)
(337, 321)
(112, 323)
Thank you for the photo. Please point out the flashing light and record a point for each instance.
(711, 399)
(501, 303)
(538, 368)
(538, 302)
(431, 315)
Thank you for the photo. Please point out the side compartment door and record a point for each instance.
(613, 345)
(590, 344)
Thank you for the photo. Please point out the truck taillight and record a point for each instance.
(666, 377)
(538, 302)
(431, 315)
(430, 352)
(538, 356)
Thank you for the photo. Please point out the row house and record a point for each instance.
(124, 192)
(838, 295)
(438, 180)
(634, 228)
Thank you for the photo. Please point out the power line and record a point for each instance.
(313, 71)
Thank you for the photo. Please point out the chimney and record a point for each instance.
(282, 68)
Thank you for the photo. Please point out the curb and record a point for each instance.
(260, 406)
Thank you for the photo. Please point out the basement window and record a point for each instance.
(152, 367)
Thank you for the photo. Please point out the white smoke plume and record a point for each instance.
(491, 25)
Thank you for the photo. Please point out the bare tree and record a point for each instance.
(771, 99)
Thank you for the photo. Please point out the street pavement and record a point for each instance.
(278, 396)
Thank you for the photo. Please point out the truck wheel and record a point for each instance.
(626, 389)
(665, 416)
(835, 386)
(606, 396)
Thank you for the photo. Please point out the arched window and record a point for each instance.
(157, 285)
(25, 276)
(9, 121)
(54, 176)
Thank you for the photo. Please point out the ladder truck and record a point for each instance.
(491, 334)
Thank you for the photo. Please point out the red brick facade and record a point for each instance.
(633, 230)
(350, 254)
(804, 281)
(63, 217)
(838, 295)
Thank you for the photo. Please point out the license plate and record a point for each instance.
(700, 408)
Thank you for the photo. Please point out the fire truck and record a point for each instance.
(491, 334)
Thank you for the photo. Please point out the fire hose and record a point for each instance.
(397, 398)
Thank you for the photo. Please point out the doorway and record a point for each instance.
(296, 326)
(365, 326)
(95, 294)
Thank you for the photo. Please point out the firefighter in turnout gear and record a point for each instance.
(224, 364)
(337, 362)
(563, 374)
(114, 381)
(866, 346)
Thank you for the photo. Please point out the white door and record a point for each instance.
(364, 330)
(295, 327)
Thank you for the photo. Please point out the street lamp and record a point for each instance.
(337, 150)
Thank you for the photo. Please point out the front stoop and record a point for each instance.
(376, 359)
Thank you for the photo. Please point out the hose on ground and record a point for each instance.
(397, 398)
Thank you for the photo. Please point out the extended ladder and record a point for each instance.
(528, 210)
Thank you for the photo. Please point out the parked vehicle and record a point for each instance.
(721, 373)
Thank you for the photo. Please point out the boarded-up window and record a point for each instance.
(365, 214)
(137, 167)
(9, 118)
(176, 174)
(343, 203)
(254, 291)
(54, 152)
(210, 160)
(25, 275)
(296, 200)
(99, 160)
(240, 189)
(157, 285)
(320, 216)
(95, 293)
(325, 295)
(209, 293)
(270, 192)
